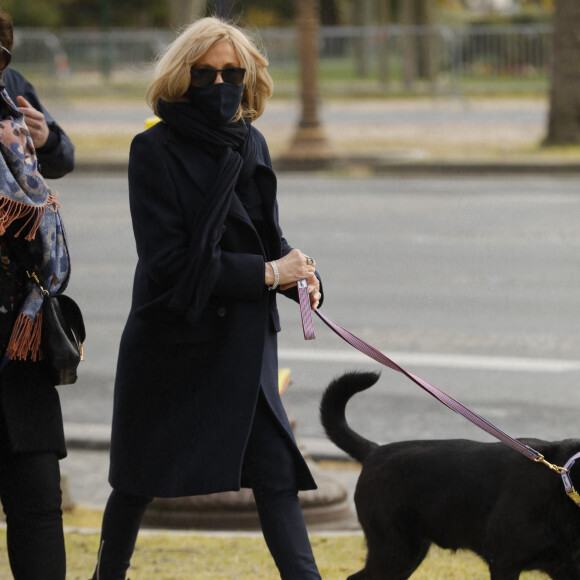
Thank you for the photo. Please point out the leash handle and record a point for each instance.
(305, 310)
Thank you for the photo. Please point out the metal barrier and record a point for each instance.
(397, 59)
(354, 61)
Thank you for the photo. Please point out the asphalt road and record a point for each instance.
(471, 283)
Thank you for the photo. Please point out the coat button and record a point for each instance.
(224, 227)
(221, 312)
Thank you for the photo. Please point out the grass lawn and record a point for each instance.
(170, 555)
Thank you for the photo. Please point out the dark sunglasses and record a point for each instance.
(5, 57)
(205, 76)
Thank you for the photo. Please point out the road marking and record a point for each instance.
(428, 359)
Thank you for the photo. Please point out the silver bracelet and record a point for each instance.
(276, 276)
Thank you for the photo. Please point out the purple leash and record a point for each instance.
(441, 396)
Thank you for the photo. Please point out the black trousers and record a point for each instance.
(31, 497)
(269, 466)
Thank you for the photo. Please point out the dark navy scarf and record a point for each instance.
(236, 155)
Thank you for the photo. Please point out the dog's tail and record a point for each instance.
(332, 413)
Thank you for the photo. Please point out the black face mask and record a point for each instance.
(218, 102)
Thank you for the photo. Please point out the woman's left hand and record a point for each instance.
(314, 292)
(315, 297)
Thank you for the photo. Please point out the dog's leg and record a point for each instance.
(380, 566)
(564, 571)
(362, 575)
(393, 556)
(501, 573)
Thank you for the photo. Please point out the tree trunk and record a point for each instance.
(362, 15)
(564, 118)
(308, 13)
(408, 18)
(420, 46)
(309, 148)
(184, 12)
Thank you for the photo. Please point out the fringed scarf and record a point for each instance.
(25, 198)
(236, 156)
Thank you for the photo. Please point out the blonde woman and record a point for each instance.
(197, 408)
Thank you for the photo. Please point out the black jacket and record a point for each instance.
(56, 158)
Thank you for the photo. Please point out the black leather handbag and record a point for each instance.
(62, 336)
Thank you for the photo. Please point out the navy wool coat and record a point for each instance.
(185, 393)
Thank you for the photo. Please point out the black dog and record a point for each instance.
(458, 494)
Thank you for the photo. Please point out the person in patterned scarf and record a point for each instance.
(31, 426)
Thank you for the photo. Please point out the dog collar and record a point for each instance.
(568, 485)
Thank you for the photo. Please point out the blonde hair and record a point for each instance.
(172, 75)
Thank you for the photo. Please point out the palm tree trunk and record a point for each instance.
(564, 118)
